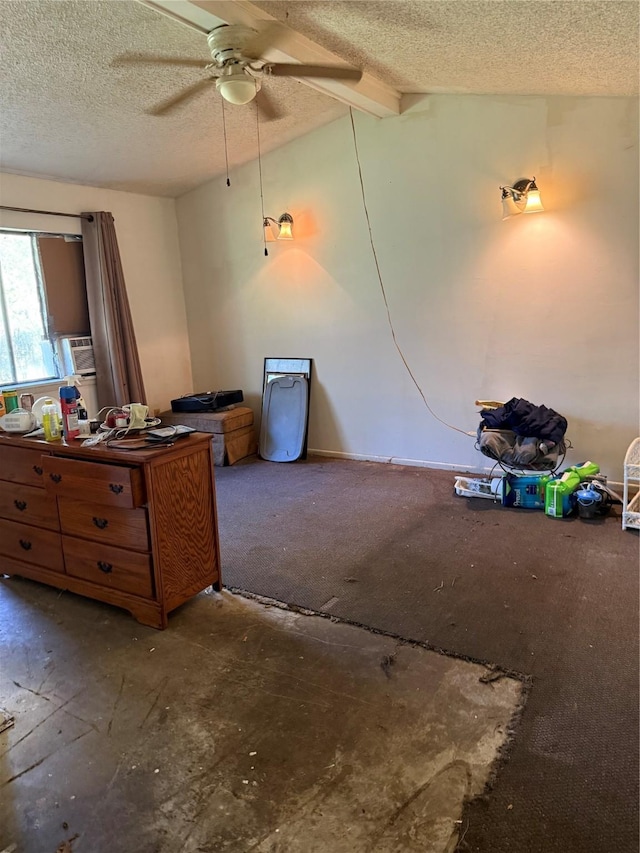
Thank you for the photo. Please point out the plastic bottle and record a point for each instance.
(557, 500)
(50, 420)
(83, 422)
(69, 407)
(556, 495)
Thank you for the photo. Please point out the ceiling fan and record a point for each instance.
(238, 69)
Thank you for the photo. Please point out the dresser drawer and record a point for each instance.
(31, 545)
(28, 505)
(20, 465)
(113, 485)
(127, 571)
(112, 525)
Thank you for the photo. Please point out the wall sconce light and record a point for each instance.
(286, 225)
(522, 197)
(278, 229)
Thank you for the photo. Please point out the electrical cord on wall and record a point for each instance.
(384, 295)
(264, 237)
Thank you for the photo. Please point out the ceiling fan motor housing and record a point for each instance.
(228, 41)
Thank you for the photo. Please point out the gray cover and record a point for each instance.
(284, 419)
(516, 451)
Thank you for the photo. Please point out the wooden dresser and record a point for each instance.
(135, 528)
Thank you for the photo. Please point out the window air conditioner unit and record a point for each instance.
(76, 356)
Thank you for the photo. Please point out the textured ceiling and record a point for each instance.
(69, 115)
(510, 47)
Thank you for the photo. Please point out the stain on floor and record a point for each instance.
(242, 727)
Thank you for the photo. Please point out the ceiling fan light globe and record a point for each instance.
(236, 89)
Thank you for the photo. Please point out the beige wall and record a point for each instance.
(148, 241)
(542, 306)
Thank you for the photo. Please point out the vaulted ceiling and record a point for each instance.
(70, 113)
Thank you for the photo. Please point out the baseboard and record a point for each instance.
(482, 470)
(399, 460)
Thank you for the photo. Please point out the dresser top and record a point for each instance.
(130, 451)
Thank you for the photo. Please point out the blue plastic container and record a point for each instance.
(526, 492)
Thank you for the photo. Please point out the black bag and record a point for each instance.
(208, 401)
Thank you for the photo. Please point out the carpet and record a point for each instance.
(393, 548)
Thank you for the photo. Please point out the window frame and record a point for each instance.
(44, 309)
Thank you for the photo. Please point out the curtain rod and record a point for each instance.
(86, 216)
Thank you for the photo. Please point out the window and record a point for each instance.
(26, 348)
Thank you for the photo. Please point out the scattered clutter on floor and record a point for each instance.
(579, 489)
(284, 422)
(529, 439)
(519, 434)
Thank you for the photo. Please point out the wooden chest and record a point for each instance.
(234, 435)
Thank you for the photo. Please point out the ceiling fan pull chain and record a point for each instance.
(264, 238)
(224, 133)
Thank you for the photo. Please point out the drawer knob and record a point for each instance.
(105, 567)
(100, 523)
(24, 543)
(21, 505)
(38, 470)
(56, 477)
(116, 488)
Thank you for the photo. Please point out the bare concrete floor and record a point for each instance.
(241, 728)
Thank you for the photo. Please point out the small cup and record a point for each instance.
(10, 400)
(112, 417)
(26, 402)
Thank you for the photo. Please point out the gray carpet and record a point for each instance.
(395, 549)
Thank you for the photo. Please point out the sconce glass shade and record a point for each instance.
(269, 232)
(534, 203)
(286, 225)
(236, 87)
(510, 207)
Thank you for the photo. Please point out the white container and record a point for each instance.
(18, 420)
(284, 418)
(469, 487)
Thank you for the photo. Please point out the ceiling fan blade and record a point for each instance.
(267, 107)
(189, 92)
(149, 59)
(337, 72)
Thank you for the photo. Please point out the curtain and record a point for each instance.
(119, 377)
